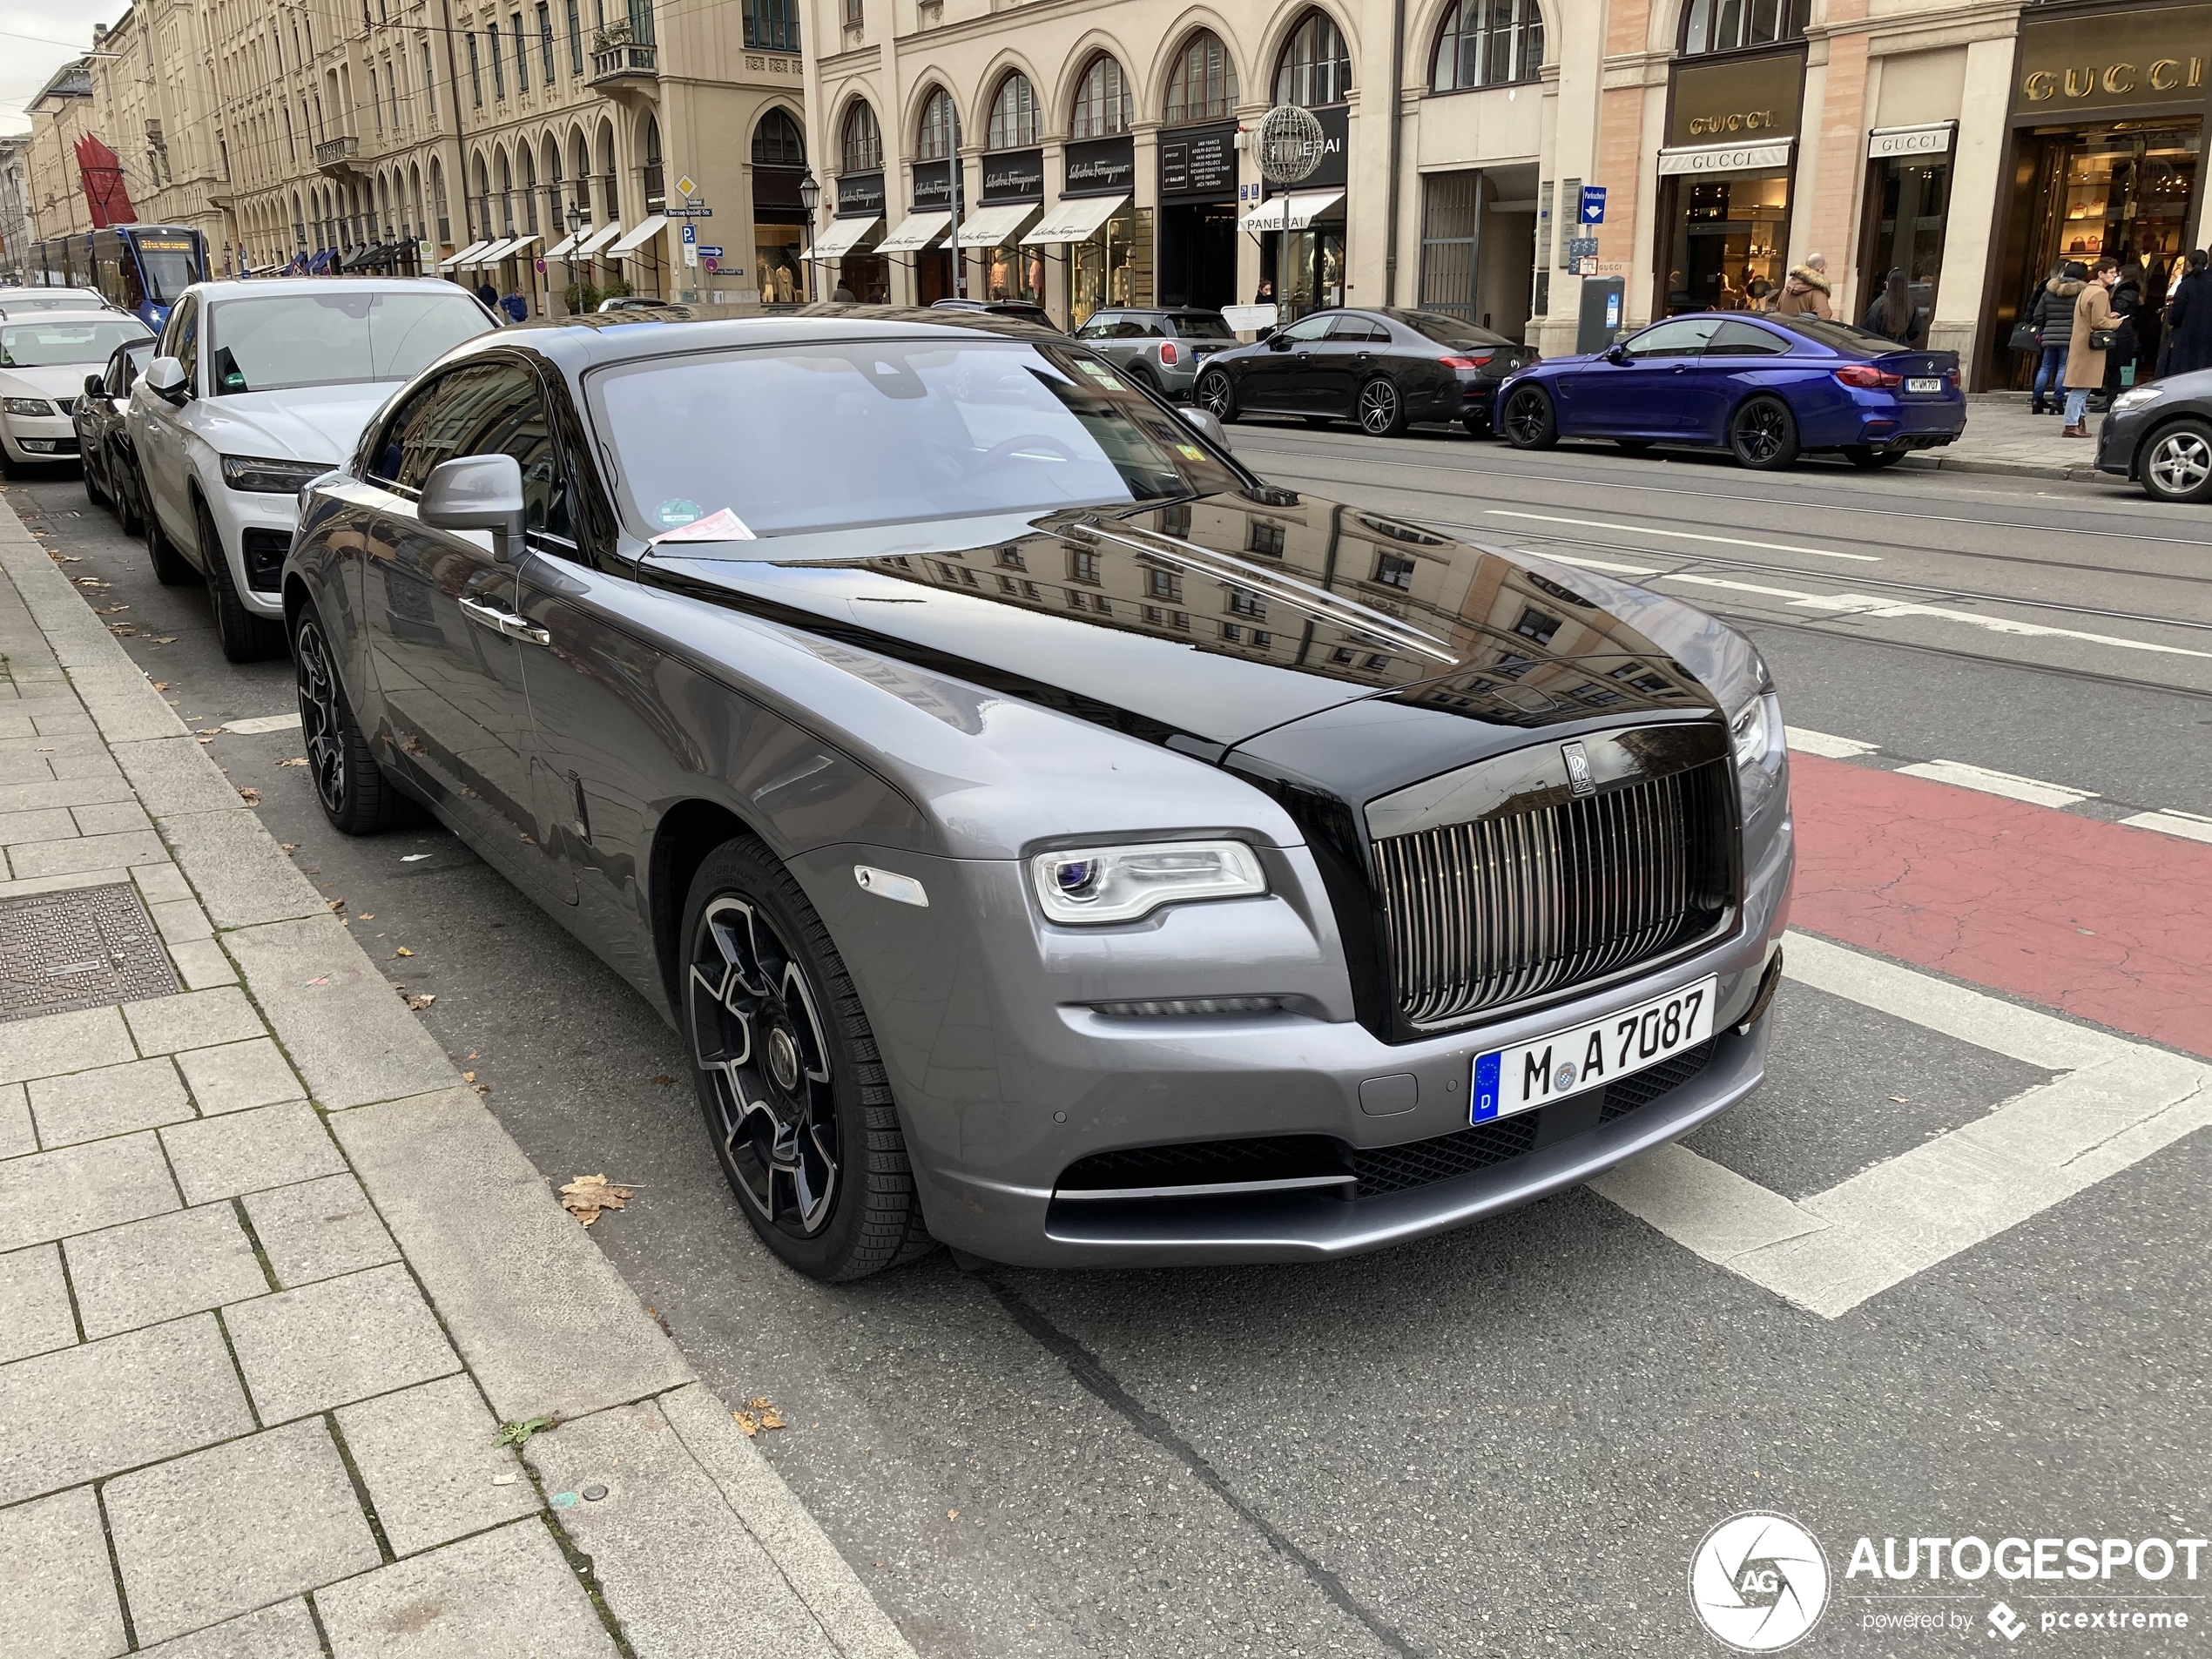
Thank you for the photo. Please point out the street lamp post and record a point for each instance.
(810, 198)
(577, 220)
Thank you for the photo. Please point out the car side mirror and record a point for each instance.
(477, 493)
(166, 380)
(1207, 422)
(1618, 355)
(95, 386)
(1279, 342)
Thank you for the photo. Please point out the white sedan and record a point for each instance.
(254, 389)
(43, 361)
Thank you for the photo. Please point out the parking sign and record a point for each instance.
(1593, 204)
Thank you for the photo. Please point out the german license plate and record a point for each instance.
(1918, 384)
(1551, 1067)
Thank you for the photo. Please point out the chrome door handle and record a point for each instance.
(523, 628)
(484, 616)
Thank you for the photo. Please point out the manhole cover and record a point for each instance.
(79, 949)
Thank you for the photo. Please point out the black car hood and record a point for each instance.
(1204, 624)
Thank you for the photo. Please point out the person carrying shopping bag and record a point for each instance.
(2094, 328)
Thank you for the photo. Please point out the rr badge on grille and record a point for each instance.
(1579, 781)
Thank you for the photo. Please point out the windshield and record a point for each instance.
(1201, 325)
(50, 345)
(834, 437)
(1446, 330)
(293, 339)
(166, 261)
(53, 300)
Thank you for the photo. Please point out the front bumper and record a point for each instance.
(1005, 1077)
(256, 532)
(2119, 437)
(33, 438)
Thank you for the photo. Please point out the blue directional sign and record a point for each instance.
(1593, 204)
(691, 233)
(709, 252)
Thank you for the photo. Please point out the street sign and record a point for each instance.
(713, 261)
(1581, 247)
(690, 234)
(1593, 204)
(685, 187)
(539, 265)
(690, 210)
(707, 251)
(1585, 267)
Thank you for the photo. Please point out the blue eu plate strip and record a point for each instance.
(1485, 1089)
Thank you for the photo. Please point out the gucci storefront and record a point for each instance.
(2105, 153)
(1725, 175)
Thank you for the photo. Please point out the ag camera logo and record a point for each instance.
(1759, 1582)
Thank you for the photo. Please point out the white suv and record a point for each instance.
(255, 387)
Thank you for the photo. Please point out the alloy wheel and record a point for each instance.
(1214, 395)
(1379, 408)
(2180, 462)
(759, 1039)
(319, 717)
(1761, 431)
(1525, 418)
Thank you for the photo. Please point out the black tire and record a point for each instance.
(1529, 421)
(1867, 457)
(1381, 408)
(130, 508)
(1763, 434)
(793, 1091)
(1217, 394)
(1142, 378)
(352, 789)
(2176, 464)
(1635, 446)
(245, 637)
(171, 568)
(93, 492)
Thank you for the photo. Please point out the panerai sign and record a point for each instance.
(2108, 60)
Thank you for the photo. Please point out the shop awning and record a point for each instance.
(598, 239)
(1293, 212)
(520, 246)
(646, 229)
(1725, 158)
(995, 227)
(567, 244)
(490, 254)
(915, 232)
(464, 257)
(842, 236)
(1075, 221)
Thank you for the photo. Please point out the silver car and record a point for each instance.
(1050, 839)
(1162, 350)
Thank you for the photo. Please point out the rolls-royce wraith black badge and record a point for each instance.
(1051, 838)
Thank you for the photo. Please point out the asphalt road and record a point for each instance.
(1507, 1440)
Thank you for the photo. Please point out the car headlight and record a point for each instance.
(1755, 731)
(1103, 884)
(255, 476)
(2136, 397)
(27, 406)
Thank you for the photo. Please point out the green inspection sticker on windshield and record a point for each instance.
(1098, 372)
(676, 512)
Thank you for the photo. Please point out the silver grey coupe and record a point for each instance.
(1054, 840)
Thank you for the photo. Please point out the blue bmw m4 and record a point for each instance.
(1766, 388)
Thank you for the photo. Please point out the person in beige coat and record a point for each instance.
(2085, 369)
(1805, 291)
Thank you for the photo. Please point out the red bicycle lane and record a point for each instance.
(2102, 921)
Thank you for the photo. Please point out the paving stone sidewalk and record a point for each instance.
(2002, 436)
(272, 1277)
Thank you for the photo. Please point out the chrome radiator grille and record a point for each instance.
(1491, 913)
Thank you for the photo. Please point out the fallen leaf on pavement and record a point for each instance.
(211, 732)
(250, 795)
(484, 1089)
(586, 1196)
(337, 904)
(296, 760)
(772, 1419)
(660, 1080)
(165, 639)
(402, 950)
(761, 1403)
(368, 915)
(748, 1424)
(952, 1514)
(468, 1077)
(109, 611)
(517, 1432)
(161, 685)
(422, 999)
(289, 846)
(124, 630)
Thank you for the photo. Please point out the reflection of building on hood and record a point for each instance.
(1809, 277)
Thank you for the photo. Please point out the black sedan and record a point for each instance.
(2160, 437)
(1050, 839)
(1388, 370)
(101, 440)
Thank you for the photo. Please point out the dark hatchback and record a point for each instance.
(101, 440)
(2160, 437)
(1386, 370)
(1766, 388)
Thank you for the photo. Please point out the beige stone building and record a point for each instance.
(1112, 152)
(60, 114)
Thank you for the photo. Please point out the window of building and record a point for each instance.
(521, 56)
(1231, 634)
(1264, 538)
(1103, 108)
(1010, 558)
(772, 25)
(1534, 624)
(1202, 83)
(1487, 42)
(1394, 572)
(576, 40)
(776, 141)
(429, 84)
(1163, 584)
(476, 75)
(1731, 25)
(1316, 67)
(1176, 520)
(1082, 566)
(498, 71)
(939, 128)
(1014, 124)
(861, 143)
(545, 40)
(1243, 602)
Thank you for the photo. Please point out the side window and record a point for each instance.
(1350, 327)
(184, 318)
(1098, 326)
(119, 374)
(432, 425)
(1682, 337)
(1735, 339)
(1307, 329)
(187, 351)
(515, 422)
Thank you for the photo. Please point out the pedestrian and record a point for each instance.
(843, 294)
(2091, 338)
(2150, 320)
(2052, 317)
(2127, 304)
(516, 307)
(1805, 292)
(489, 295)
(2188, 345)
(1893, 315)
